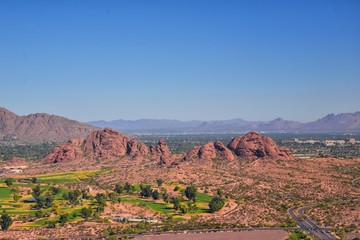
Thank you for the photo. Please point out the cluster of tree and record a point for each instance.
(101, 202)
(31, 151)
(127, 187)
(44, 199)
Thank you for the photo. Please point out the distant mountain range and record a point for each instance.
(45, 127)
(341, 123)
(40, 127)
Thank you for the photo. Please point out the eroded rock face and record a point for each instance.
(108, 143)
(100, 144)
(211, 150)
(162, 152)
(253, 145)
(68, 151)
(224, 152)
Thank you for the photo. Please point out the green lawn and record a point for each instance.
(69, 177)
(156, 206)
(4, 193)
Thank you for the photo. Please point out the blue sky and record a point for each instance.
(204, 60)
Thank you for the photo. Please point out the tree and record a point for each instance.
(9, 182)
(101, 201)
(34, 180)
(5, 221)
(63, 219)
(44, 202)
(127, 187)
(85, 194)
(72, 197)
(219, 192)
(159, 182)
(190, 192)
(36, 191)
(16, 194)
(216, 204)
(145, 191)
(16, 197)
(155, 195)
(119, 188)
(165, 195)
(86, 212)
(54, 190)
(56, 207)
(176, 201)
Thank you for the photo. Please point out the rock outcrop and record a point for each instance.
(253, 146)
(108, 143)
(162, 152)
(211, 150)
(223, 151)
(68, 151)
(100, 144)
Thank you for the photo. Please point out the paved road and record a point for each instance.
(309, 226)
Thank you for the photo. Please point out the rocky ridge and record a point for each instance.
(40, 127)
(107, 144)
(110, 144)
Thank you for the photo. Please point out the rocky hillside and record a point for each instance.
(253, 145)
(211, 150)
(40, 127)
(250, 146)
(107, 144)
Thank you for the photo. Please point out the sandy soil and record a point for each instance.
(246, 235)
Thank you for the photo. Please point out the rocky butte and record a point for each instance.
(110, 144)
(107, 144)
(253, 145)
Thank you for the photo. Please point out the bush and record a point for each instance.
(216, 204)
(9, 182)
(155, 195)
(86, 213)
(5, 222)
(145, 191)
(159, 182)
(190, 192)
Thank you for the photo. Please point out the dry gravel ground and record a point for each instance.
(246, 235)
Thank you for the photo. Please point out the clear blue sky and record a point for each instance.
(205, 60)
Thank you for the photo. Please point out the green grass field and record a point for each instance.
(8, 205)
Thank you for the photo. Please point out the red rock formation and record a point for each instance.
(253, 145)
(100, 144)
(210, 151)
(224, 152)
(68, 151)
(108, 143)
(162, 152)
(193, 153)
